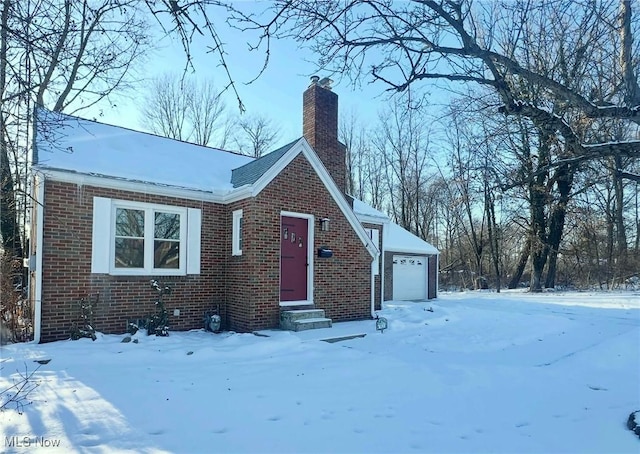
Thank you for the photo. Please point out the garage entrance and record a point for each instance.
(409, 277)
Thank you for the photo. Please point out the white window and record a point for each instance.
(374, 234)
(132, 238)
(236, 245)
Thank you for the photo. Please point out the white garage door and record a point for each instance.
(409, 277)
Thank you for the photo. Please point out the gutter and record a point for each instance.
(124, 184)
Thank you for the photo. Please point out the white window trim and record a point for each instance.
(149, 225)
(236, 233)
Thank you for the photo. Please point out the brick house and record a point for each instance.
(248, 238)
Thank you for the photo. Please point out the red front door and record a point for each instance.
(293, 259)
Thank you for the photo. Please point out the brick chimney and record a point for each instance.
(320, 128)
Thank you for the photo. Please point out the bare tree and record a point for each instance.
(186, 20)
(255, 134)
(565, 67)
(180, 108)
(365, 163)
(402, 141)
(465, 181)
(63, 55)
(353, 135)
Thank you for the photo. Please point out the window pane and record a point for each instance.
(240, 233)
(167, 226)
(129, 253)
(166, 254)
(129, 222)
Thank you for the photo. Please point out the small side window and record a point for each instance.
(237, 233)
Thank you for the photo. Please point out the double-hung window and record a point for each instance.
(132, 238)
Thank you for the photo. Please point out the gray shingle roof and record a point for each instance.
(251, 172)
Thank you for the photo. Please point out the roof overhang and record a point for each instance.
(146, 187)
(218, 196)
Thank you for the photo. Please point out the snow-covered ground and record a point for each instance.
(514, 372)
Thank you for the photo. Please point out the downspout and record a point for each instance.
(373, 289)
(37, 315)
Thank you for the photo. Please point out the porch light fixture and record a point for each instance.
(324, 224)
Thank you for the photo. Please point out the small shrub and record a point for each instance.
(135, 325)
(83, 326)
(158, 323)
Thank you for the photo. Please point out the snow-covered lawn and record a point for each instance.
(483, 372)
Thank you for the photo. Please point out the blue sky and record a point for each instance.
(277, 93)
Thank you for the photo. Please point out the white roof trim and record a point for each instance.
(401, 250)
(222, 197)
(303, 147)
(372, 219)
(108, 182)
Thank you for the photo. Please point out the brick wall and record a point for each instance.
(66, 273)
(246, 288)
(240, 272)
(320, 128)
(342, 283)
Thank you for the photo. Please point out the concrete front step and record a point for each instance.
(299, 320)
(311, 323)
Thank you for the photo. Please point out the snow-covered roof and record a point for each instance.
(83, 146)
(364, 211)
(70, 145)
(397, 239)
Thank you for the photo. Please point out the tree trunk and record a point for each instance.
(564, 181)
(621, 236)
(538, 238)
(637, 245)
(9, 226)
(552, 265)
(537, 266)
(522, 263)
(538, 198)
(632, 92)
(492, 228)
